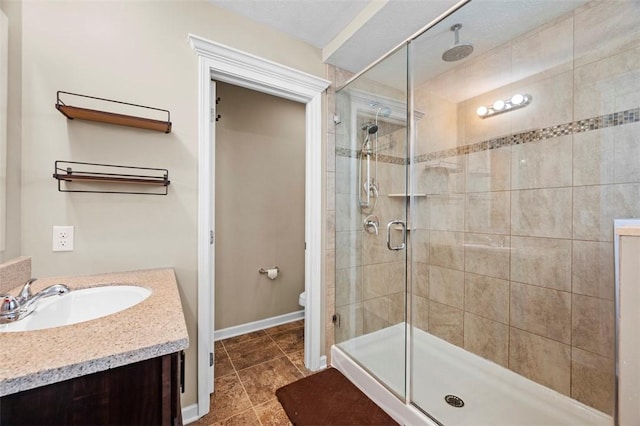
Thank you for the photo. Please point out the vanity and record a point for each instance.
(123, 368)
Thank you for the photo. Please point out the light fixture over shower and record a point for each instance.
(517, 101)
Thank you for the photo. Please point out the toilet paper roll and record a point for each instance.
(272, 273)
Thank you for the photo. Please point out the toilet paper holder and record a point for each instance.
(266, 270)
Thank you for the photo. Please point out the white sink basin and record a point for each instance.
(79, 306)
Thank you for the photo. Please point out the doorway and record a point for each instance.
(259, 215)
(222, 63)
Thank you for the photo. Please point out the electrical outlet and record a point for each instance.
(63, 238)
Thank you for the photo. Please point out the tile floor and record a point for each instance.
(248, 370)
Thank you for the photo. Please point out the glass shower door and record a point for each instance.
(524, 156)
(371, 221)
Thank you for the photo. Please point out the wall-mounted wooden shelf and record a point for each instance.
(73, 171)
(82, 113)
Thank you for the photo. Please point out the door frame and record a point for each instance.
(222, 63)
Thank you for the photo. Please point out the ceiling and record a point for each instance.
(355, 33)
(315, 21)
(351, 33)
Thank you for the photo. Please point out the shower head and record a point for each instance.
(370, 128)
(459, 50)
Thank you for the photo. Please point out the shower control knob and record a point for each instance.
(371, 224)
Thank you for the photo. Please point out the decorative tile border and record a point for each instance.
(350, 153)
(580, 126)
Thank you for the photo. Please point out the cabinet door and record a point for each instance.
(143, 393)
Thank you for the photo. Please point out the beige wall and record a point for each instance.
(135, 52)
(260, 148)
(13, 10)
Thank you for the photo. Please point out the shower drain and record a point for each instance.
(454, 401)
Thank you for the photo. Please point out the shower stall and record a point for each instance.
(476, 187)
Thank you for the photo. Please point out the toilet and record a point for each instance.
(302, 300)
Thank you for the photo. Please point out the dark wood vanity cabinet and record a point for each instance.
(143, 393)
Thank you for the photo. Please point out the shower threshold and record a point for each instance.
(492, 394)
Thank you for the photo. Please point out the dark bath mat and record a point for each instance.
(328, 398)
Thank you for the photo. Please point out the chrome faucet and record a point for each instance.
(15, 308)
(25, 293)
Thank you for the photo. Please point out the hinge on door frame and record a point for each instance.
(336, 319)
(210, 359)
(213, 111)
(212, 237)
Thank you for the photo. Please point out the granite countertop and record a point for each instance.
(152, 328)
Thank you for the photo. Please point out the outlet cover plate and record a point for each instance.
(63, 238)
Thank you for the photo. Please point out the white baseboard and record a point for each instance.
(190, 414)
(249, 327)
(323, 362)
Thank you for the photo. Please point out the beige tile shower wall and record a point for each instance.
(439, 125)
(369, 278)
(519, 267)
(336, 184)
(383, 275)
(348, 251)
(370, 291)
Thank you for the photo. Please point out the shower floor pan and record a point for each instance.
(492, 394)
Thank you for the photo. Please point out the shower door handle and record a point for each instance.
(404, 235)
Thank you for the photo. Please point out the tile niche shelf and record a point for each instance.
(97, 112)
(406, 195)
